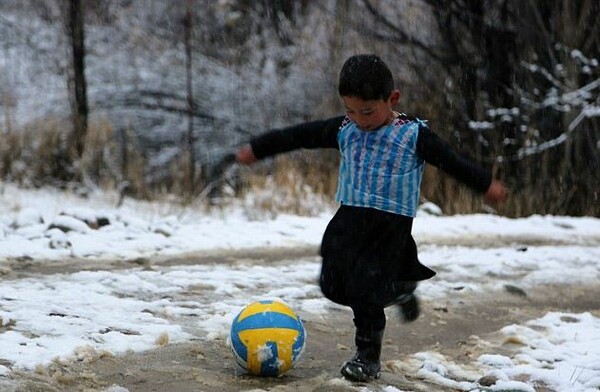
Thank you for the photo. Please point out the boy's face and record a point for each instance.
(373, 114)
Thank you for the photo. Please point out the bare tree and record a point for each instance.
(188, 22)
(79, 103)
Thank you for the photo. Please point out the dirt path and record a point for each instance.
(454, 327)
(25, 267)
(20, 268)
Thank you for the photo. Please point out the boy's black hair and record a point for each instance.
(367, 77)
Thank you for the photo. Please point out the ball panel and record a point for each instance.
(298, 347)
(238, 345)
(240, 361)
(266, 306)
(267, 320)
(269, 347)
(269, 366)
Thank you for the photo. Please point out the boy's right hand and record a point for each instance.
(245, 155)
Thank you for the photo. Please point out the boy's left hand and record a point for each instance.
(245, 155)
(496, 193)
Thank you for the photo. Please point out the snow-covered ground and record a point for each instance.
(46, 315)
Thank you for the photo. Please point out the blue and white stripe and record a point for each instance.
(380, 169)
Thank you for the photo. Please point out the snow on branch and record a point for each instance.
(587, 112)
(534, 68)
(536, 149)
(580, 95)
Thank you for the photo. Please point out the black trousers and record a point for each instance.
(369, 256)
(368, 317)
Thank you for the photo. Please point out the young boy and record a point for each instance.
(368, 253)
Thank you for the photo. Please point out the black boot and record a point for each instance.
(365, 364)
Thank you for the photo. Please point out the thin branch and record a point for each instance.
(542, 27)
(524, 152)
(534, 68)
(587, 112)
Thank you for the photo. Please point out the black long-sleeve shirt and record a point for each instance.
(323, 134)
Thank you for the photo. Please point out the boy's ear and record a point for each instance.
(394, 97)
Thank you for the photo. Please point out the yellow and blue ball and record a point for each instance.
(267, 338)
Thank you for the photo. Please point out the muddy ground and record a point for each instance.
(460, 328)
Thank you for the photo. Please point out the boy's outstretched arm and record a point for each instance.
(439, 153)
(315, 134)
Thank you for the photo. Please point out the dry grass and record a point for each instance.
(451, 196)
(39, 155)
(301, 183)
(33, 154)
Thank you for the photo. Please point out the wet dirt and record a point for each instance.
(460, 328)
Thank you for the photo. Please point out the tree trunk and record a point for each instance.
(189, 144)
(79, 110)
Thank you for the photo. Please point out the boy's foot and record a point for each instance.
(358, 370)
(409, 307)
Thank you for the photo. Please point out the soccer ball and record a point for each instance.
(267, 338)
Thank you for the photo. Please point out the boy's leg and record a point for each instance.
(370, 324)
(408, 302)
